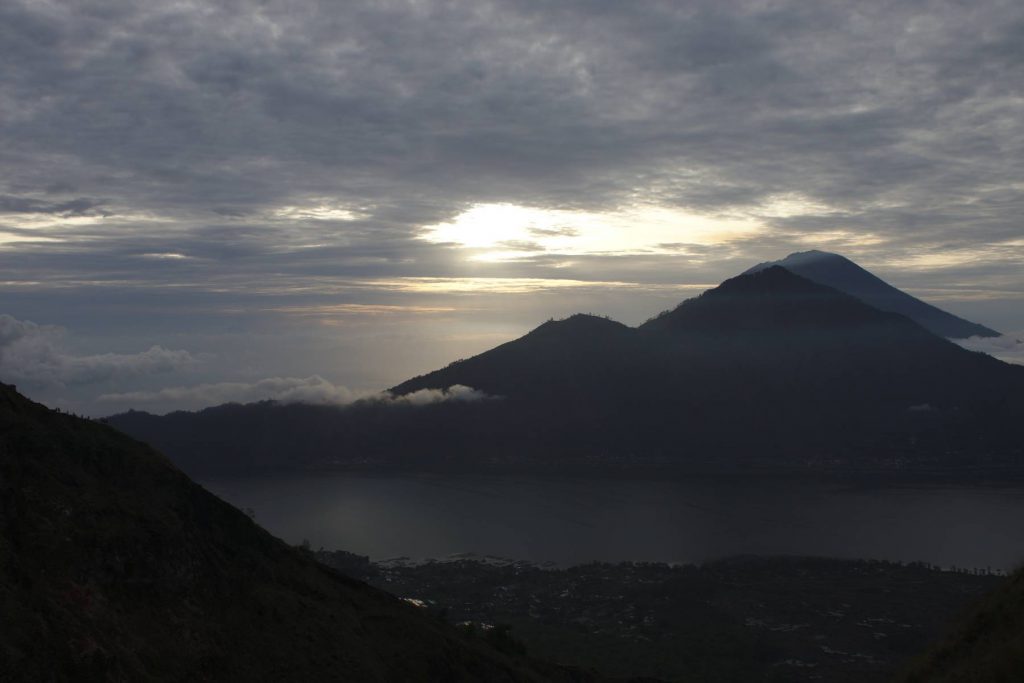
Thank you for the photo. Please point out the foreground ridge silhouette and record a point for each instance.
(115, 566)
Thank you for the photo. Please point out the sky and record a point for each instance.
(213, 201)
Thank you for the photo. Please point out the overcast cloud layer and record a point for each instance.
(252, 184)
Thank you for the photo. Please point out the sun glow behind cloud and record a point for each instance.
(501, 232)
(7, 238)
(514, 285)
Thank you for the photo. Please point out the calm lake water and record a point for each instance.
(569, 521)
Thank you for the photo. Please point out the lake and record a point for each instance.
(573, 520)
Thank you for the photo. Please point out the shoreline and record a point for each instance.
(987, 477)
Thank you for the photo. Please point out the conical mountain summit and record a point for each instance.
(833, 270)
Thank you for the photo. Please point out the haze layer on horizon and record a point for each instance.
(204, 202)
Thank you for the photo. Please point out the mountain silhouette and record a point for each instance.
(767, 370)
(768, 332)
(115, 566)
(843, 274)
(577, 355)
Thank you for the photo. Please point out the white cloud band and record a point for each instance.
(312, 390)
(32, 354)
(1008, 347)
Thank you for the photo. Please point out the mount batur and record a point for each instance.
(809, 363)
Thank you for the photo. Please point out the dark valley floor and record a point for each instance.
(743, 619)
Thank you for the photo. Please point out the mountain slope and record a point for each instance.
(579, 355)
(766, 367)
(762, 333)
(988, 646)
(769, 370)
(840, 273)
(115, 566)
(822, 343)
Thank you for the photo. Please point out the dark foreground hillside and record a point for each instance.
(988, 646)
(115, 566)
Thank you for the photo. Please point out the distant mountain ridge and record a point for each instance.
(843, 274)
(757, 321)
(768, 370)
